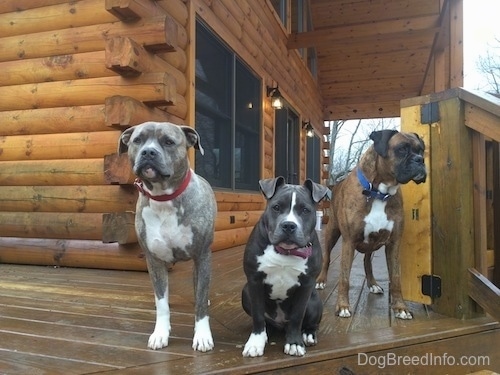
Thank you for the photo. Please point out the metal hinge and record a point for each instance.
(429, 113)
(431, 286)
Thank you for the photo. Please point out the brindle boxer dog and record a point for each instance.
(367, 211)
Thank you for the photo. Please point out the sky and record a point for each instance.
(481, 25)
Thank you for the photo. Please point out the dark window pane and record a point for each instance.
(247, 150)
(313, 159)
(228, 113)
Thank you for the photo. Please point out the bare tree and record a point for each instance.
(489, 66)
(345, 152)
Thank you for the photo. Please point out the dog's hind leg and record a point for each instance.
(372, 283)
(332, 235)
(202, 340)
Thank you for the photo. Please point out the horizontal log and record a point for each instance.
(7, 6)
(54, 68)
(225, 239)
(119, 227)
(177, 9)
(131, 10)
(151, 33)
(56, 225)
(54, 17)
(71, 253)
(53, 120)
(236, 219)
(68, 198)
(128, 58)
(152, 88)
(54, 173)
(124, 111)
(59, 146)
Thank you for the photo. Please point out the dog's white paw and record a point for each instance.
(344, 313)
(158, 340)
(255, 345)
(403, 314)
(320, 285)
(202, 340)
(309, 339)
(376, 289)
(295, 350)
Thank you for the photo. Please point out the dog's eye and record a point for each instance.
(306, 210)
(402, 151)
(168, 142)
(276, 208)
(136, 140)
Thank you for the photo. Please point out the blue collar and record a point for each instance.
(368, 190)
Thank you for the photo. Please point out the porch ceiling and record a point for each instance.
(371, 54)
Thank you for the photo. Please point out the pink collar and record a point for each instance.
(165, 197)
(303, 252)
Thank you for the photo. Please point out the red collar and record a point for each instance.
(165, 197)
(303, 252)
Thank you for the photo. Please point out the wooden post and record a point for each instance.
(452, 208)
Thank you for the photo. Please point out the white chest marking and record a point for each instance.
(282, 271)
(163, 231)
(377, 219)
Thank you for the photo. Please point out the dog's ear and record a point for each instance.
(380, 140)
(318, 192)
(124, 140)
(192, 138)
(420, 140)
(269, 186)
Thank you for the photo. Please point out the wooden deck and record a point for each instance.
(80, 321)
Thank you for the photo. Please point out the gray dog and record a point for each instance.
(174, 220)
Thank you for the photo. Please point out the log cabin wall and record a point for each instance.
(74, 74)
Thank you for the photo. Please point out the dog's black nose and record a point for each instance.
(150, 153)
(288, 226)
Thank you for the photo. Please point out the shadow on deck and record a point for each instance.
(80, 321)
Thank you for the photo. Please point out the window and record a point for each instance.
(313, 170)
(228, 115)
(280, 7)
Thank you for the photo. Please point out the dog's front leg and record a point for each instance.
(294, 344)
(343, 308)
(253, 295)
(394, 269)
(159, 278)
(202, 340)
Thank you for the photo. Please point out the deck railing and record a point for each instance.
(464, 219)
